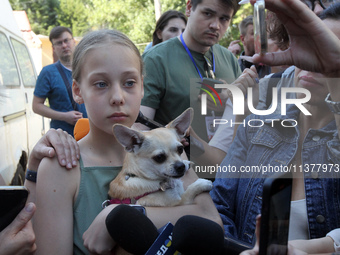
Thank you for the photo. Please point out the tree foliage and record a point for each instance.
(135, 18)
(71, 14)
(233, 32)
(42, 14)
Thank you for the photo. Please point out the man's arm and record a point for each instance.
(40, 108)
(211, 156)
(53, 220)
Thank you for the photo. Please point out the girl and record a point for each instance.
(170, 24)
(107, 72)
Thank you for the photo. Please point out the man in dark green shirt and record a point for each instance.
(175, 68)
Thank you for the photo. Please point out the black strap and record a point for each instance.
(67, 85)
(273, 81)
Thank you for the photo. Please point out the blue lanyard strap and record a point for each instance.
(192, 59)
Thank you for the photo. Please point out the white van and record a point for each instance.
(20, 128)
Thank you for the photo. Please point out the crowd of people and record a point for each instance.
(69, 180)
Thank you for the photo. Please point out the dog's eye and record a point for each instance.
(180, 149)
(160, 158)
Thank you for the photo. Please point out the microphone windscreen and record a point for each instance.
(131, 229)
(81, 129)
(197, 235)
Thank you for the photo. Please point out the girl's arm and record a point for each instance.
(97, 238)
(203, 206)
(53, 221)
(54, 143)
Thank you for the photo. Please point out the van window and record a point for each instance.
(8, 71)
(25, 64)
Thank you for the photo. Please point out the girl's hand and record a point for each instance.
(96, 238)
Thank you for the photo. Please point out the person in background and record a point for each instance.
(170, 24)
(305, 139)
(55, 84)
(284, 78)
(246, 28)
(176, 67)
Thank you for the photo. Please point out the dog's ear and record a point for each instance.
(131, 139)
(182, 122)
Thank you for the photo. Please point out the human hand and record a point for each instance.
(313, 46)
(323, 245)
(55, 142)
(184, 140)
(274, 249)
(255, 250)
(72, 117)
(234, 47)
(249, 78)
(96, 238)
(18, 237)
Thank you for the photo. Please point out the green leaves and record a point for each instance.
(135, 18)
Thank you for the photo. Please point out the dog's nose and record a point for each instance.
(179, 167)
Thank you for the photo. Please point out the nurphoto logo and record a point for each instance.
(239, 99)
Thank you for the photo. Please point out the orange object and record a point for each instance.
(81, 128)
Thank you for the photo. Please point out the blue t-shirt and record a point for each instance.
(51, 85)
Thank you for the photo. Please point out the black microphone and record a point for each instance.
(193, 235)
(131, 229)
(147, 122)
(196, 235)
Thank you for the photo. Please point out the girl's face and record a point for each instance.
(111, 86)
(175, 27)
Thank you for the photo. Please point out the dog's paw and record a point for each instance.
(204, 184)
(187, 164)
(194, 189)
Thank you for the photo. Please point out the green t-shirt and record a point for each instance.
(171, 80)
(93, 189)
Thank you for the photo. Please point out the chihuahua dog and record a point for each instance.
(153, 166)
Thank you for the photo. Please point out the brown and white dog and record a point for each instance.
(153, 166)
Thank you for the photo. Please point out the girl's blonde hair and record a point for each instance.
(97, 39)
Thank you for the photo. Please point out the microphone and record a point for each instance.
(131, 229)
(147, 122)
(136, 234)
(193, 235)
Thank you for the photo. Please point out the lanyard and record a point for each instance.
(192, 59)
